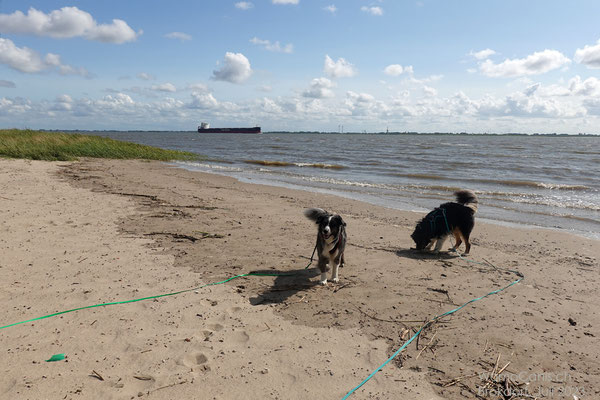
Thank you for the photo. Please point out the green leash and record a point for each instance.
(147, 298)
(157, 296)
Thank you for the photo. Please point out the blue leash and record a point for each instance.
(431, 321)
(419, 332)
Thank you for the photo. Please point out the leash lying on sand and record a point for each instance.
(157, 296)
(434, 319)
(431, 321)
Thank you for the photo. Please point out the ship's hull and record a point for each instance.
(230, 130)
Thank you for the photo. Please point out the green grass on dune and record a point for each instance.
(58, 146)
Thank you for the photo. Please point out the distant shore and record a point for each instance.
(81, 233)
(351, 132)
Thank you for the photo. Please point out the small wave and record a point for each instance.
(289, 164)
(508, 182)
(555, 203)
(419, 176)
(542, 185)
(209, 166)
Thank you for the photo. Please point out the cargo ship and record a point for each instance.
(205, 128)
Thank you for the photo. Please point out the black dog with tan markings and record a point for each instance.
(457, 218)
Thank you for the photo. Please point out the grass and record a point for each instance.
(59, 146)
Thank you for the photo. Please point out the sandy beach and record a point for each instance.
(95, 231)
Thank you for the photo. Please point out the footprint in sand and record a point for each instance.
(240, 337)
(234, 310)
(195, 359)
(215, 327)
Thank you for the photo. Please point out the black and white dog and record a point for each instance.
(331, 241)
(449, 218)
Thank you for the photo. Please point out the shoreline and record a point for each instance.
(259, 335)
(376, 201)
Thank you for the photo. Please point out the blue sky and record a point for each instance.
(417, 65)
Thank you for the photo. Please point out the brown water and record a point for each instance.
(547, 181)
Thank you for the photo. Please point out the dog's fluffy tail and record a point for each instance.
(467, 198)
(314, 213)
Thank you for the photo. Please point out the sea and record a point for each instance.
(549, 181)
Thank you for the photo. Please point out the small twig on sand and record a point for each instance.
(380, 319)
(96, 375)
(454, 381)
(168, 386)
(426, 346)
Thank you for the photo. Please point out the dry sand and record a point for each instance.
(78, 234)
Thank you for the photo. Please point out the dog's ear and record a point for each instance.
(343, 222)
(315, 214)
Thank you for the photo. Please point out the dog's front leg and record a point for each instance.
(323, 268)
(334, 271)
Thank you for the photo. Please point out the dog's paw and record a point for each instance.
(323, 282)
(335, 280)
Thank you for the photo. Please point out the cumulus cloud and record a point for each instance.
(338, 69)
(320, 88)
(286, 1)
(29, 61)
(198, 87)
(203, 101)
(534, 64)
(397, 69)
(145, 76)
(244, 5)
(67, 22)
(178, 35)
(589, 55)
(483, 54)
(331, 8)
(165, 87)
(378, 11)
(7, 84)
(588, 87)
(236, 69)
(276, 47)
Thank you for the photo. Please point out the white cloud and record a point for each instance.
(483, 54)
(145, 76)
(165, 87)
(236, 69)
(331, 8)
(244, 5)
(203, 101)
(67, 22)
(429, 91)
(198, 87)
(276, 47)
(286, 1)
(29, 61)
(589, 87)
(320, 88)
(536, 63)
(378, 11)
(178, 35)
(589, 55)
(338, 69)
(397, 69)
(363, 105)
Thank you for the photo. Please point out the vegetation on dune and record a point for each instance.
(59, 146)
